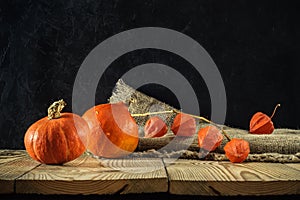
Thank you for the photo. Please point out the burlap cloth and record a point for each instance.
(283, 145)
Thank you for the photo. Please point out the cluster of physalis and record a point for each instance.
(211, 136)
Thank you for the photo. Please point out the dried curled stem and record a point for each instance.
(274, 111)
(55, 109)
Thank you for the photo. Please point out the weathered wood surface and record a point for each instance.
(196, 177)
(13, 164)
(294, 165)
(87, 175)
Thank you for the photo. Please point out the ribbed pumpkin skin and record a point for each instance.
(260, 123)
(56, 141)
(113, 132)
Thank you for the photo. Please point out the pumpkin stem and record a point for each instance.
(55, 109)
(278, 105)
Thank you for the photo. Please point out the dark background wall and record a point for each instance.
(255, 45)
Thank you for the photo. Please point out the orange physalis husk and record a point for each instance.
(209, 138)
(184, 125)
(260, 123)
(237, 150)
(155, 127)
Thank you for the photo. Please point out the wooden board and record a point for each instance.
(196, 177)
(13, 165)
(11, 155)
(87, 175)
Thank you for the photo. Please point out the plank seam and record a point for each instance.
(15, 180)
(168, 177)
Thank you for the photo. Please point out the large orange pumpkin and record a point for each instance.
(58, 138)
(114, 133)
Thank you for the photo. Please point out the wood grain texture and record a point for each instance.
(11, 155)
(294, 165)
(196, 177)
(87, 175)
(13, 165)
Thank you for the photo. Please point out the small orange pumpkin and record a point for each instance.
(260, 123)
(113, 131)
(237, 150)
(155, 127)
(184, 125)
(209, 138)
(58, 138)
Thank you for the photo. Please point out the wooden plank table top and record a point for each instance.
(19, 174)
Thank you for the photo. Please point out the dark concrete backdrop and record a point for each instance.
(255, 45)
